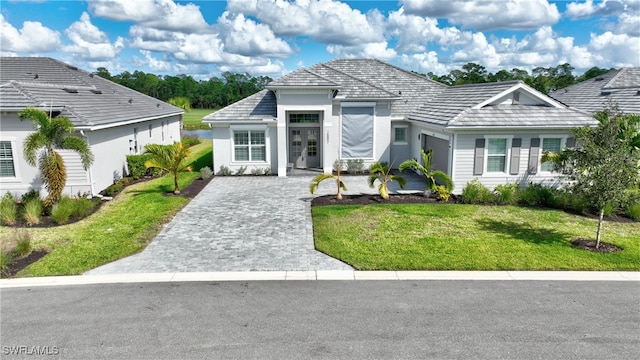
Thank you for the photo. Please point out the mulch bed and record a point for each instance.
(192, 189)
(375, 199)
(15, 266)
(590, 245)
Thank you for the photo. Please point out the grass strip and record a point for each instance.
(468, 237)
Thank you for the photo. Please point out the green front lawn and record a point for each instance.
(121, 227)
(193, 119)
(468, 237)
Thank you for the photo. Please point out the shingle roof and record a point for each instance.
(88, 99)
(621, 87)
(518, 116)
(456, 107)
(303, 78)
(257, 107)
(351, 86)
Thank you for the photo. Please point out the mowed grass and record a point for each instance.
(121, 227)
(468, 237)
(193, 119)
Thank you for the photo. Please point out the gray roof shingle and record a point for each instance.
(621, 87)
(88, 99)
(257, 107)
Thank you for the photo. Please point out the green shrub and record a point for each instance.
(8, 209)
(561, 199)
(190, 140)
(537, 195)
(18, 245)
(267, 171)
(256, 171)
(608, 209)
(206, 173)
(507, 194)
(579, 203)
(443, 193)
(135, 164)
(633, 211)
(61, 212)
(224, 171)
(241, 170)
(338, 164)
(29, 195)
(23, 243)
(81, 207)
(355, 166)
(32, 211)
(476, 193)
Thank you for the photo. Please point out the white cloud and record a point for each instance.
(425, 62)
(619, 50)
(33, 37)
(478, 51)
(263, 67)
(629, 24)
(326, 21)
(159, 14)
(578, 10)
(488, 14)
(378, 51)
(90, 42)
(244, 37)
(155, 64)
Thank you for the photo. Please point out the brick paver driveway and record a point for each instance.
(237, 224)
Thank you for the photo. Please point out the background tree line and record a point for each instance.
(542, 79)
(205, 94)
(231, 87)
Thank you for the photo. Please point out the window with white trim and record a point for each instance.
(249, 145)
(7, 168)
(552, 145)
(496, 155)
(400, 135)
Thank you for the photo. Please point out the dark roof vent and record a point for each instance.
(605, 93)
(72, 67)
(90, 75)
(96, 91)
(599, 79)
(130, 101)
(36, 76)
(638, 92)
(158, 105)
(70, 90)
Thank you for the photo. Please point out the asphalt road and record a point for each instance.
(324, 319)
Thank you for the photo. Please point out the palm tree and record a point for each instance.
(382, 172)
(321, 177)
(181, 102)
(171, 158)
(429, 175)
(40, 149)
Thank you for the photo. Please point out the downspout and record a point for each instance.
(86, 138)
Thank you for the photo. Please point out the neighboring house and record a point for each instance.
(620, 87)
(367, 109)
(116, 121)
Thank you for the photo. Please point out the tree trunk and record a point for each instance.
(176, 189)
(600, 216)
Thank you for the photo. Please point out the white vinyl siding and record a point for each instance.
(76, 174)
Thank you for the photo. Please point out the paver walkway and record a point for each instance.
(241, 224)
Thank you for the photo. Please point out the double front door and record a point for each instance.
(304, 147)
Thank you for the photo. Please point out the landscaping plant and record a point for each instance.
(8, 210)
(476, 193)
(382, 172)
(429, 174)
(32, 211)
(338, 179)
(40, 148)
(206, 173)
(606, 163)
(171, 158)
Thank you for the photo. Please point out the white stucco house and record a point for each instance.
(116, 121)
(370, 110)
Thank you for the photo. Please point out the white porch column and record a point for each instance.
(282, 143)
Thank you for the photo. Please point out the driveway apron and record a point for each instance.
(236, 224)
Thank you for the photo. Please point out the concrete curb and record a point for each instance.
(323, 275)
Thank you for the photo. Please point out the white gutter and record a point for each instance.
(122, 123)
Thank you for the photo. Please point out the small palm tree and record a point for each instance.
(171, 158)
(382, 172)
(429, 175)
(40, 149)
(321, 177)
(181, 102)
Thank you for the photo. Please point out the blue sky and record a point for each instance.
(273, 37)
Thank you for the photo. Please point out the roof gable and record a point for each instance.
(257, 107)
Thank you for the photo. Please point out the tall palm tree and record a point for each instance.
(40, 149)
(382, 172)
(429, 174)
(171, 158)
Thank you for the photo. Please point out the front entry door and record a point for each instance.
(304, 147)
